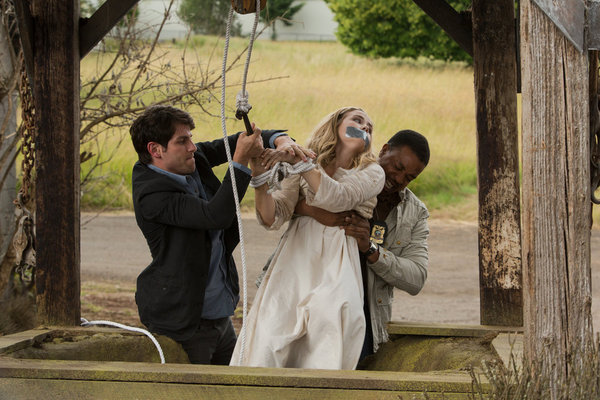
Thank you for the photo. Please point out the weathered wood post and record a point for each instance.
(494, 61)
(556, 193)
(56, 88)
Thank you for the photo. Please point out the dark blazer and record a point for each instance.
(170, 291)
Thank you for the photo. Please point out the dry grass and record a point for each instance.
(293, 85)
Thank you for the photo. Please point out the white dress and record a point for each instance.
(308, 311)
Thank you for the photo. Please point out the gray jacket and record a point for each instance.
(402, 262)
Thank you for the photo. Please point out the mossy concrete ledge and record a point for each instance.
(90, 344)
(25, 374)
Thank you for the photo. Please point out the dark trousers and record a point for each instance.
(212, 343)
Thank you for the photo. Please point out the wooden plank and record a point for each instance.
(93, 29)
(449, 382)
(25, 389)
(556, 195)
(494, 64)
(431, 329)
(56, 87)
(21, 340)
(456, 25)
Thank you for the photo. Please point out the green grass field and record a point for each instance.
(292, 85)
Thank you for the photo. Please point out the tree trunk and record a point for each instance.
(494, 59)
(556, 195)
(56, 90)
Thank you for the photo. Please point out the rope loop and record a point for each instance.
(241, 102)
(279, 172)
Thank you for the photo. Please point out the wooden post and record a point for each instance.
(556, 194)
(494, 61)
(56, 88)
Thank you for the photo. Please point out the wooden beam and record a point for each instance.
(93, 29)
(26, 31)
(56, 86)
(494, 65)
(456, 25)
(556, 197)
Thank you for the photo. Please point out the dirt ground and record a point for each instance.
(114, 252)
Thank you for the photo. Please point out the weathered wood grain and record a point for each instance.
(494, 62)
(556, 193)
(56, 88)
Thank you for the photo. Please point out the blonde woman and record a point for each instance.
(308, 312)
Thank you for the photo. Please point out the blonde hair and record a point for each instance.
(325, 137)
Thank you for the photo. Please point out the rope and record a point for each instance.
(279, 172)
(242, 104)
(85, 322)
(241, 100)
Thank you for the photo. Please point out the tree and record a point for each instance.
(208, 17)
(281, 10)
(393, 28)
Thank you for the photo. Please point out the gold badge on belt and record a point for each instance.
(378, 231)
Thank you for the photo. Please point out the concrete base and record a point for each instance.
(23, 377)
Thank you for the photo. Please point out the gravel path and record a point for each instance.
(113, 253)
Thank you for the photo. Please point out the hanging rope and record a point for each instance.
(241, 100)
(242, 104)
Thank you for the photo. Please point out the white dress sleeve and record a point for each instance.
(350, 190)
(285, 202)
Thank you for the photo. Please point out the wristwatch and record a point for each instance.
(372, 248)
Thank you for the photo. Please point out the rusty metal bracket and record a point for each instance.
(568, 16)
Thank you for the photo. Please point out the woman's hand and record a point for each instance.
(285, 143)
(270, 157)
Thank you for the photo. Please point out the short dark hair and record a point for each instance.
(417, 143)
(156, 124)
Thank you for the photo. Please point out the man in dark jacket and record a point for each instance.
(188, 217)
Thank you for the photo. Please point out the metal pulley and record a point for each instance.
(247, 6)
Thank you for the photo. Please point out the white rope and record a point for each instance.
(278, 173)
(242, 104)
(85, 322)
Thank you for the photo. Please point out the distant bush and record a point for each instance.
(394, 28)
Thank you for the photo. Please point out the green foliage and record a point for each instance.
(87, 8)
(207, 16)
(442, 185)
(280, 9)
(394, 28)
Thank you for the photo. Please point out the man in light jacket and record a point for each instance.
(394, 242)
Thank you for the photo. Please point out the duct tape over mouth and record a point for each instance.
(353, 132)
